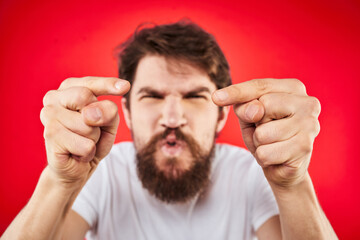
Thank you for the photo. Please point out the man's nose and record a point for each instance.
(173, 115)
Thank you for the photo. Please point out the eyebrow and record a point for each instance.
(198, 90)
(150, 90)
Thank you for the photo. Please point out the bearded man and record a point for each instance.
(173, 181)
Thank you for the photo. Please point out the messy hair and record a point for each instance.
(183, 40)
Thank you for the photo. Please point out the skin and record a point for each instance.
(278, 121)
(172, 96)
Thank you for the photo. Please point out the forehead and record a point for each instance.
(170, 74)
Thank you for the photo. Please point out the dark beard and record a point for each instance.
(186, 185)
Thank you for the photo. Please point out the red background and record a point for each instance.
(44, 42)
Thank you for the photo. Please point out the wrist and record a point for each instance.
(46, 210)
(52, 181)
(287, 184)
(301, 189)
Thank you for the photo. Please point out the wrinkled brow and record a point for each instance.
(196, 90)
(149, 90)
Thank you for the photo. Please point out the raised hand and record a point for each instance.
(79, 129)
(279, 123)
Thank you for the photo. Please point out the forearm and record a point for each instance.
(45, 212)
(301, 216)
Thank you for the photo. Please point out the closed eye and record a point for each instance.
(154, 96)
(195, 96)
(149, 93)
(198, 93)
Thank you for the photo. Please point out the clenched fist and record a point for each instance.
(79, 129)
(279, 123)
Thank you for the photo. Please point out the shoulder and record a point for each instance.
(233, 159)
(118, 162)
(122, 150)
(121, 153)
(227, 150)
(233, 155)
(108, 181)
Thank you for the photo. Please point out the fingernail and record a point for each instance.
(93, 114)
(120, 84)
(221, 95)
(251, 111)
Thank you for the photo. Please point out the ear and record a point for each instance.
(223, 115)
(126, 112)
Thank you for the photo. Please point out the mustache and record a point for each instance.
(183, 188)
(178, 133)
(192, 144)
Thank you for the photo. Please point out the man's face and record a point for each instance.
(173, 122)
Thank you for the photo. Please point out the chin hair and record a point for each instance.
(184, 186)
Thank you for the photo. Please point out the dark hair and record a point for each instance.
(183, 40)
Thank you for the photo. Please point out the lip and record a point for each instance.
(174, 149)
(171, 151)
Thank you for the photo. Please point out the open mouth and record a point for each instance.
(171, 146)
(171, 143)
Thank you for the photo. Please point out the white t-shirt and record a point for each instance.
(116, 206)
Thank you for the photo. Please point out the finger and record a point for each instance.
(105, 144)
(73, 98)
(276, 131)
(247, 134)
(98, 85)
(71, 120)
(250, 112)
(254, 89)
(101, 114)
(285, 151)
(80, 148)
(104, 114)
(280, 105)
(283, 105)
(61, 141)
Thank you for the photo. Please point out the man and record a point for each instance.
(173, 181)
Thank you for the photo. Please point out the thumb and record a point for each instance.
(249, 114)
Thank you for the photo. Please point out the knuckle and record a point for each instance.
(262, 85)
(45, 114)
(314, 126)
(66, 83)
(266, 100)
(48, 96)
(314, 106)
(299, 85)
(88, 147)
(51, 129)
(260, 135)
(306, 145)
(82, 95)
(88, 78)
(261, 156)
(89, 81)
(310, 126)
